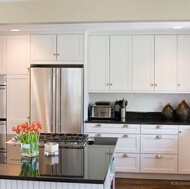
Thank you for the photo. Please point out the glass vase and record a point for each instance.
(30, 149)
(30, 166)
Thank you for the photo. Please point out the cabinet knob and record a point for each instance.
(159, 156)
(107, 84)
(178, 85)
(180, 132)
(54, 54)
(111, 84)
(158, 126)
(125, 126)
(98, 125)
(151, 85)
(28, 117)
(158, 137)
(155, 85)
(57, 54)
(124, 156)
(125, 136)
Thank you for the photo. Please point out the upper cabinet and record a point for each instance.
(66, 47)
(109, 63)
(183, 66)
(143, 63)
(18, 54)
(165, 62)
(2, 54)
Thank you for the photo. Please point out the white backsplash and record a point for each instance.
(142, 102)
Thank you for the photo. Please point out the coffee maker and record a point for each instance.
(120, 109)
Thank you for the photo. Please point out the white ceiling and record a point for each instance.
(130, 26)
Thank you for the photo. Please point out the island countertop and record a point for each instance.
(87, 165)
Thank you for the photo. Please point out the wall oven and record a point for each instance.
(3, 118)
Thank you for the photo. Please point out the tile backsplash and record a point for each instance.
(142, 102)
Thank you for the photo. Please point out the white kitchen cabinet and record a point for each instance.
(159, 144)
(2, 54)
(127, 162)
(184, 149)
(17, 100)
(183, 64)
(18, 54)
(112, 128)
(142, 63)
(165, 62)
(109, 63)
(127, 150)
(159, 148)
(65, 47)
(159, 129)
(158, 163)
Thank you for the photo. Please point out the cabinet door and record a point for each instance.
(143, 63)
(18, 54)
(43, 47)
(17, 100)
(2, 55)
(184, 149)
(165, 62)
(158, 163)
(183, 67)
(98, 63)
(70, 47)
(125, 162)
(159, 144)
(120, 63)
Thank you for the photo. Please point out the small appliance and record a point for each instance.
(102, 110)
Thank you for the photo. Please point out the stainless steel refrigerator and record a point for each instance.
(57, 98)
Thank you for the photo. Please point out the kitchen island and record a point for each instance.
(88, 167)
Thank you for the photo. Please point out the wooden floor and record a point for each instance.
(122, 183)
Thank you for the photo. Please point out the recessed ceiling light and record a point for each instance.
(14, 30)
(177, 27)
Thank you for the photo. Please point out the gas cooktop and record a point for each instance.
(65, 140)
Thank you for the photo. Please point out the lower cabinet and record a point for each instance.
(158, 163)
(147, 148)
(184, 149)
(127, 162)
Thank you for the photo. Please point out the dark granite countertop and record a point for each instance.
(141, 118)
(71, 165)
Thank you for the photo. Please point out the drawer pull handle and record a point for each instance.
(98, 135)
(125, 136)
(158, 126)
(97, 125)
(124, 156)
(125, 126)
(159, 156)
(158, 137)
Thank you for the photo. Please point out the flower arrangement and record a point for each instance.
(29, 138)
(28, 133)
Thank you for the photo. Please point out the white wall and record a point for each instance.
(142, 102)
(63, 11)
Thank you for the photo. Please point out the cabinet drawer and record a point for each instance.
(127, 162)
(158, 163)
(159, 129)
(159, 144)
(112, 128)
(128, 143)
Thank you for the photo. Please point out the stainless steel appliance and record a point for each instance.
(65, 140)
(3, 129)
(101, 110)
(57, 97)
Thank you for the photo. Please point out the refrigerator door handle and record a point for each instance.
(53, 100)
(57, 100)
